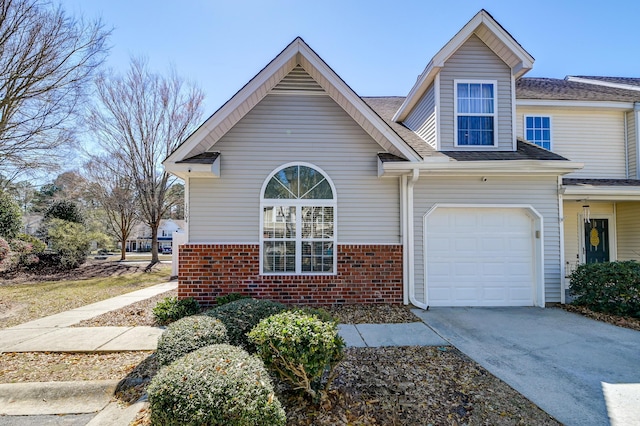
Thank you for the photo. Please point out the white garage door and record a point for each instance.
(479, 257)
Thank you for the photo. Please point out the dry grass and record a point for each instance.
(25, 298)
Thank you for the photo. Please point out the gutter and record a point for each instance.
(415, 175)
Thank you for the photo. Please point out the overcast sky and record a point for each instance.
(377, 47)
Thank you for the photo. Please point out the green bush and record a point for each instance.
(10, 217)
(321, 314)
(242, 315)
(70, 240)
(215, 385)
(300, 349)
(231, 297)
(188, 334)
(5, 253)
(172, 309)
(611, 287)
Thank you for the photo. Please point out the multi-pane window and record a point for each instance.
(475, 113)
(298, 222)
(538, 130)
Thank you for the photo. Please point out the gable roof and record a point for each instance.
(296, 54)
(566, 89)
(492, 34)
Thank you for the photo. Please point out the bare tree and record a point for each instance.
(141, 118)
(47, 60)
(112, 188)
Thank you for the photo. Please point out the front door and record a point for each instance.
(596, 241)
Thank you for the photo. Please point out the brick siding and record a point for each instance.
(366, 274)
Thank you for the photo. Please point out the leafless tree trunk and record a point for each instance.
(47, 60)
(112, 188)
(141, 118)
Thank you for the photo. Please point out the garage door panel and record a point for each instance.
(479, 257)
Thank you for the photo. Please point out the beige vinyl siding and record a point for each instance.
(574, 227)
(594, 137)
(628, 227)
(422, 119)
(295, 128)
(538, 192)
(475, 61)
(632, 145)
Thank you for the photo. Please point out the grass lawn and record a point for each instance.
(25, 301)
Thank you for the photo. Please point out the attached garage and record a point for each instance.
(483, 256)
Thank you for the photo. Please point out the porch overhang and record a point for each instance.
(485, 168)
(601, 193)
(601, 189)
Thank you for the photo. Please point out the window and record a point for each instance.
(298, 222)
(475, 113)
(537, 129)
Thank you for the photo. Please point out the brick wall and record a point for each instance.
(366, 274)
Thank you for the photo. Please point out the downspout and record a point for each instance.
(563, 267)
(405, 243)
(626, 146)
(411, 241)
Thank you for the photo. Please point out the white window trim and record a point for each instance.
(298, 204)
(494, 115)
(524, 128)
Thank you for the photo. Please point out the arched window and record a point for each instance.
(298, 207)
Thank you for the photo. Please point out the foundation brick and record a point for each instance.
(365, 274)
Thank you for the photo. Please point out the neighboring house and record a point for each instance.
(140, 239)
(299, 190)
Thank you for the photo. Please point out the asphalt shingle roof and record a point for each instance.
(601, 182)
(525, 151)
(386, 108)
(204, 158)
(630, 81)
(558, 89)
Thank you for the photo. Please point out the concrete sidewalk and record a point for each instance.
(74, 403)
(54, 334)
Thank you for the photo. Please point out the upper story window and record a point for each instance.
(537, 129)
(298, 222)
(475, 112)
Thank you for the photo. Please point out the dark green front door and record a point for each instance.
(596, 241)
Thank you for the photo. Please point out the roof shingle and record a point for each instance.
(557, 89)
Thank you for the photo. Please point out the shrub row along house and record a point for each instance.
(481, 187)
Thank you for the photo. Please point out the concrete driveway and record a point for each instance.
(581, 371)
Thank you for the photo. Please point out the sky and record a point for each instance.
(377, 47)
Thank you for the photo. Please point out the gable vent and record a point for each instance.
(298, 81)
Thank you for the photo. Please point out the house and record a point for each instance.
(469, 191)
(140, 238)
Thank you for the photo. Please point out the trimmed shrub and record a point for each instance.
(242, 315)
(611, 287)
(171, 309)
(321, 314)
(231, 297)
(300, 349)
(215, 385)
(188, 334)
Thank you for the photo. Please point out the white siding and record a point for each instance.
(632, 144)
(590, 136)
(538, 192)
(474, 60)
(628, 227)
(289, 128)
(574, 227)
(422, 119)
